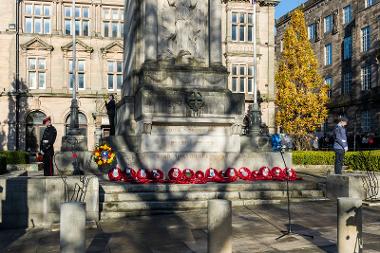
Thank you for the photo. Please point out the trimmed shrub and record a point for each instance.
(3, 164)
(358, 160)
(16, 157)
(313, 157)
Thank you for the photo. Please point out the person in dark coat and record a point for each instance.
(340, 144)
(47, 146)
(111, 112)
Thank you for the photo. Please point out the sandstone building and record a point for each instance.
(45, 55)
(345, 36)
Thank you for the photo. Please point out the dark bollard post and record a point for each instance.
(219, 226)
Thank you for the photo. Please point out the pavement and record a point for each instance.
(255, 229)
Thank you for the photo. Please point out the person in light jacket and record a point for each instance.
(340, 144)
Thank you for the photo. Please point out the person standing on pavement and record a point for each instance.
(47, 146)
(340, 144)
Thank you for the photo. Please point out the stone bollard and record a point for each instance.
(350, 225)
(219, 226)
(73, 227)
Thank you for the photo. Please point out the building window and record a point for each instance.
(80, 74)
(347, 48)
(312, 31)
(347, 83)
(242, 78)
(366, 77)
(366, 38)
(82, 20)
(37, 18)
(368, 3)
(114, 75)
(251, 72)
(366, 121)
(242, 24)
(347, 14)
(36, 73)
(329, 83)
(281, 45)
(113, 22)
(329, 23)
(328, 54)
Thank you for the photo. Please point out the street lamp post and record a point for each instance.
(255, 107)
(17, 76)
(74, 120)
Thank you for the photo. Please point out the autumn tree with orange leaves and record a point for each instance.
(301, 97)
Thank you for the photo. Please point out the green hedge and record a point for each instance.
(3, 164)
(15, 157)
(359, 160)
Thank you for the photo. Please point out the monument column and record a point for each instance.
(151, 34)
(215, 31)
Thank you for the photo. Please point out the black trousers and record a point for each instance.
(111, 118)
(339, 159)
(48, 163)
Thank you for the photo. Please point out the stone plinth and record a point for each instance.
(65, 162)
(202, 160)
(348, 185)
(35, 202)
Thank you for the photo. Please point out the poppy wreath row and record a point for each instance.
(189, 176)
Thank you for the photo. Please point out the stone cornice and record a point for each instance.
(82, 47)
(114, 47)
(37, 44)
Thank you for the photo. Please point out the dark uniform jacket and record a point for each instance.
(340, 138)
(111, 107)
(48, 139)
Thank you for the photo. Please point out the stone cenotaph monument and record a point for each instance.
(176, 109)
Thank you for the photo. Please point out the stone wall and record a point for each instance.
(35, 202)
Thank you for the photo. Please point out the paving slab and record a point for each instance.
(255, 230)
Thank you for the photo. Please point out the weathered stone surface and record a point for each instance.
(219, 226)
(24, 167)
(350, 237)
(203, 160)
(73, 227)
(349, 185)
(35, 202)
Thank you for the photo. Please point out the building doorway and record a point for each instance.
(34, 130)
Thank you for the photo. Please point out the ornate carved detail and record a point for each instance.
(195, 101)
(236, 129)
(114, 47)
(155, 76)
(183, 32)
(80, 46)
(36, 44)
(147, 128)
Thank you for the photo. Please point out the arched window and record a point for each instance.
(82, 124)
(34, 130)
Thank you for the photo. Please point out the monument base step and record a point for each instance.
(119, 200)
(195, 206)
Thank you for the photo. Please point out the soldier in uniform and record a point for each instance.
(47, 148)
(111, 111)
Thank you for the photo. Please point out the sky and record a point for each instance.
(287, 5)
